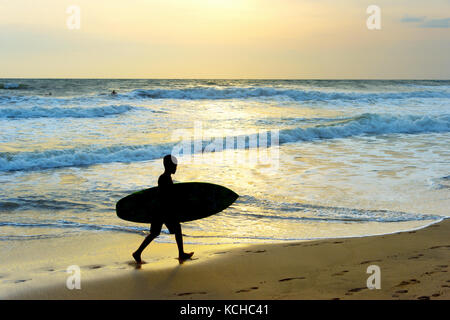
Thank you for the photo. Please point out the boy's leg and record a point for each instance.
(176, 227)
(178, 237)
(155, 230)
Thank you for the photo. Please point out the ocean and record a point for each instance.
(345, 158)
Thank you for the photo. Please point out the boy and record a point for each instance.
(165, 184)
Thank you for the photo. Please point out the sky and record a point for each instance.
(270, 39)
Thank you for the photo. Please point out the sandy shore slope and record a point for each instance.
(413, 265)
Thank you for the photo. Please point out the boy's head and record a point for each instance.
(170, 163)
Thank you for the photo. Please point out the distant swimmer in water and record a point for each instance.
(113, 93)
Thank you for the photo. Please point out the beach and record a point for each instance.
(413, 265)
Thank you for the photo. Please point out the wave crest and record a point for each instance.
(366, 124)
(294, 94)
(57, 112)
(369, 124)
(13, 86)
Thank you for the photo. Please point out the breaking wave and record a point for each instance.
(366, 124)
(57, 112)
(274, 210)
(294, 94)
(12, 86)
(369, 124)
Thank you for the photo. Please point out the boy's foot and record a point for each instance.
(185, 256)
(137, 257)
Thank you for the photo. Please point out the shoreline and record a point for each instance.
(413, 265)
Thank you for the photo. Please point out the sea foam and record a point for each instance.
(366, 124)
(294, 94)
(58, 112)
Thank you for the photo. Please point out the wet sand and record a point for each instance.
(413, 265)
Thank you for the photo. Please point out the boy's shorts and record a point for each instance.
(172, 226)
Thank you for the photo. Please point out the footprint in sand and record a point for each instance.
(357, 289)
(401, 291)
(439, 247)
(423, 298)
(257, 251)
(189, 293)
(411, 281)
(21, 280)
(369, 261)
(289, 279)
(435, 294)
(340, 273)
(351, 291)
(46, 269)
(315, 244)
(96, 266)
(247, 290)
(293, 245)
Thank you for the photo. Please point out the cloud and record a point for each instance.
(408, 19)
(436, 23)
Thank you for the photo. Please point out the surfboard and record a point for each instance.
(187, 201)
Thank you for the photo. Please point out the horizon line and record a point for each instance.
(288, 79)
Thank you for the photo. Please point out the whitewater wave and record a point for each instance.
(214, 93)
(294, 94)
(80, 157)
(366, 124)
(52, 101)
(369, 124)
(13, 86)
(306, 214)
(300, 212)
(42, 204)
(439, 183)
(64, 224)
(57, 112)
(9, 100)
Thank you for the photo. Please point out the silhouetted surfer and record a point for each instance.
(113, 93)
(165, 184)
